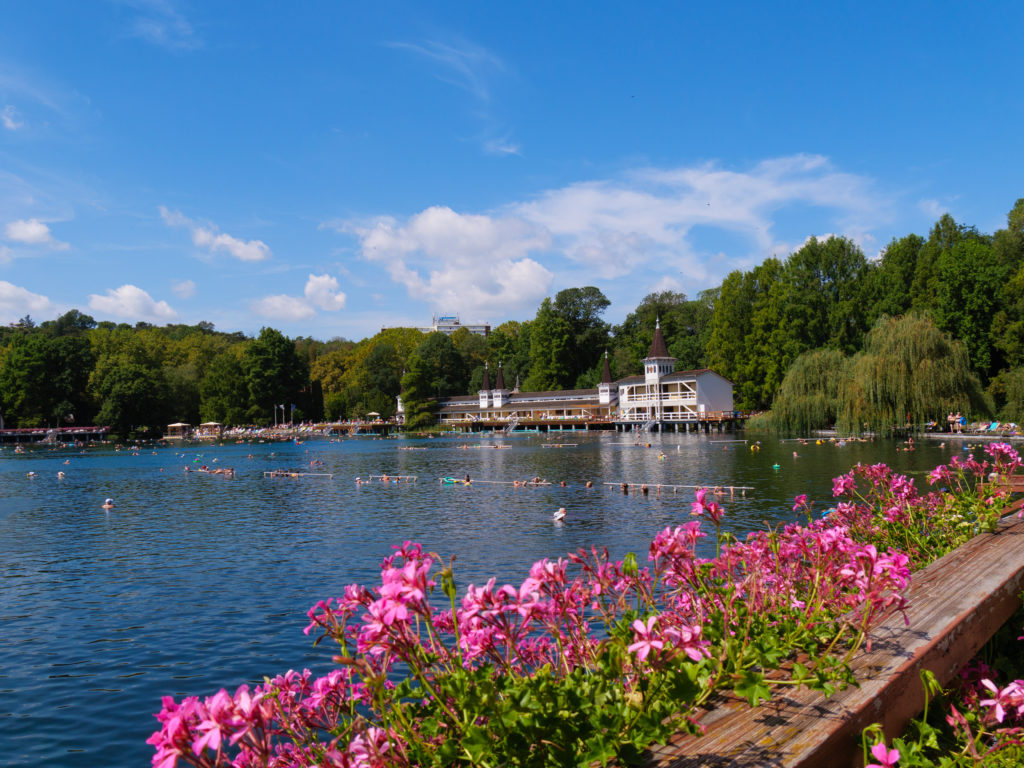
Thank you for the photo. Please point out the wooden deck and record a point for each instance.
(956, 604)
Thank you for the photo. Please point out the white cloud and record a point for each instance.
(322, 291)
(479, 264)
(16, 302)
(282, 307)
(932, 208)
(464, 65)
(159, 22)
(9, 118)
(211, 239)
(644, 225)
(471, 68)
(132, 303)
(186, 289)
(501, 147)
(5, 254)
(33, 232)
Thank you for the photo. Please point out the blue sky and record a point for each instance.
(328, 168)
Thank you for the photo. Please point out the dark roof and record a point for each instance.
(658, 347)
(487, 379)
(606, 373)
(501, 379)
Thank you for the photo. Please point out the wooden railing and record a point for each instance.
(955, 605)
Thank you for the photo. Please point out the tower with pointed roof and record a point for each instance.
(607, 387)
(485, 390)
(499, 394)
(658, 362)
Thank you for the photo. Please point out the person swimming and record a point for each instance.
(108, 504)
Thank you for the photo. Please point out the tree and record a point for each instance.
(443, 366)
(811, 393)
(825, 290)
(224, 394)
(417, 389)
(581, 309)
(44, 380)
(133, 396)
(274, 374)
(909, 372)
(969, 286)
(893, 278)
(550, 343)
(509, 347)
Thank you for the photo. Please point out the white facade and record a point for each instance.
(676, 397)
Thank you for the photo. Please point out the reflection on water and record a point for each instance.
(197, 581)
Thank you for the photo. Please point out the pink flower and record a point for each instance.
(800, 501)
(644, 644)
(886, 757)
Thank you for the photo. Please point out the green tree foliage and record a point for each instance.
(969, 287)
(550, 344)
(223, 389)
(1007, 392)
(909, 373)
(685, 324)
(133, 396)
(274, 375)
(509, 346)
(44, 380)
(810, 397)
(825, 287)
(747, 342)
(581, 309)
(443, 366)
(417, 393)
(893, 278)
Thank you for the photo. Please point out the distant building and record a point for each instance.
(661, 398)
(449, 324)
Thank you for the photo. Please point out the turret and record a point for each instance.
(606, 389)
(658, 362)
(485, 390)
(499, 394)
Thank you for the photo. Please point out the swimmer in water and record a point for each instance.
(108, 504)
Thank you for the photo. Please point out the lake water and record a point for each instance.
(195, 582)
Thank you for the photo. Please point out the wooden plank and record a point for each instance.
(955, 605)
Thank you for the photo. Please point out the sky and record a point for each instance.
(332, 168)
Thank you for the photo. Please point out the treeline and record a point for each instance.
(829, 337)
(824, 337)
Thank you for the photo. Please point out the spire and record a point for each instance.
(517, 383)
(501, 379)
(658, 347)
(606, 374)
(487, 379)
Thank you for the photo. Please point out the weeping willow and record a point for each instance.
(809, 396)
(909, 373)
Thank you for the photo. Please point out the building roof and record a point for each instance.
(500, 384)
(676, 376)
(658, 347)
(606, 372)
(487, 379)
(574, 397)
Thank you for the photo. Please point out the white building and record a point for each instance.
(661, 396)
(449, 324)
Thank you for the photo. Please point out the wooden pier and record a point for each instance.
(955, 605)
